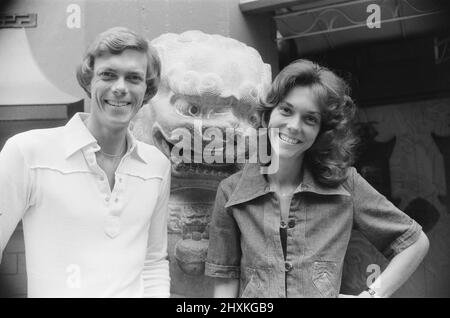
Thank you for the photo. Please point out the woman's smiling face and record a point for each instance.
(298, 120)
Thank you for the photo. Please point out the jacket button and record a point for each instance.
(288, 266)
(291, 223)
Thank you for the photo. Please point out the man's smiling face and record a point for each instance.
(118, 87)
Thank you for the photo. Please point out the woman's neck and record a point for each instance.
(288, 176)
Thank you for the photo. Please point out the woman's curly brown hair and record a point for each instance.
(333, 150)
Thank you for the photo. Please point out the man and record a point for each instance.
(92, 198)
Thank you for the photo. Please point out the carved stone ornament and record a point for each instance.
(208, 83)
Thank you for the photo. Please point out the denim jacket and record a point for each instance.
(245, 239)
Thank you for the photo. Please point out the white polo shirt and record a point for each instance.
(81, 238)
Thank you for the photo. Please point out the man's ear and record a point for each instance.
(84, 82)
(87, 89)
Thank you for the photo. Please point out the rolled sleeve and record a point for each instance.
(389, 229)
(405, 240)
(224, 252)
(15, 189)
(222, 271)
(155, 274)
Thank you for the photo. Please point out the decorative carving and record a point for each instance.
(191, 254)
(334, 17)
(175, 214)
(215, 81)
(196, 218)
(207, 81)
(18, 20)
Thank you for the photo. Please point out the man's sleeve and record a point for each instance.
(389, 229)
(156, 267)
(224, 251)
(15, 190)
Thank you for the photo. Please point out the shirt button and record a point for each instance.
(107, 199)
(291, 223)
(102, 178)
(120, 179)
(288, 266)
(116, 200)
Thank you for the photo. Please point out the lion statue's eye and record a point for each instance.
(185, 108)
(253, 120)
(193, 110)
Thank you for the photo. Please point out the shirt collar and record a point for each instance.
(135, 148)
(253, 184)
(77, 137)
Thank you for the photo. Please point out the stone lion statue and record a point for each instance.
(208, 83)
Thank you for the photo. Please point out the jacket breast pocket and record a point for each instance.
(324, 278)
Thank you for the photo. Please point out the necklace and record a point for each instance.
(110, 155)
(114, 156)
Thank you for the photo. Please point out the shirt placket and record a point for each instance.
(116, 204)
(295, 243)
(112, 200)
(274, 222)
(274, 247)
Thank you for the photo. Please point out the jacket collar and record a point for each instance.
(77, 137)
(253, 184)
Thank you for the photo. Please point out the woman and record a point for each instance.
(285, 234)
